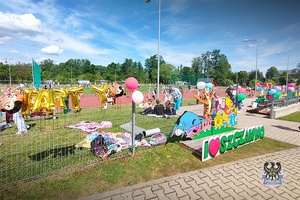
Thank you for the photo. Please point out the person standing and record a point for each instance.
(20, 122)
(154, 94)
(181, 90)
(218, 102)
(149, 92)
(177, 96)
(166, 96)
(230, 93)
(198, 94)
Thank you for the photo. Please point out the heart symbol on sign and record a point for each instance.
(214, 146)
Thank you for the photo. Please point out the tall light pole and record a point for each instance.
(9, 70)
(287, 70)
(158, 46)
(246, 40)
(71, 75)
(207, 69)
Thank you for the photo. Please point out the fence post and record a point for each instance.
(285, 101)
(133, 129)
(271, 111)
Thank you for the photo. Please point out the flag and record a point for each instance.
(36, 74)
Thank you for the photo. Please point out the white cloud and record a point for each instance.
(86, 36)
(5, 39)
(25, 24)
(14, 51)
(52, 50)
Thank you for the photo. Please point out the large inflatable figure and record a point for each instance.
(206, 98)
(11, 101)
(109, 94)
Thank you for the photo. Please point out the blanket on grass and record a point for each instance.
(89, 127)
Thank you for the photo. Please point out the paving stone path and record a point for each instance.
(236, 180)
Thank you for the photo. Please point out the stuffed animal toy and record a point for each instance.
(113, 93)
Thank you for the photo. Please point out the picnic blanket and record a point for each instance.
(89, 127)
(115, 141)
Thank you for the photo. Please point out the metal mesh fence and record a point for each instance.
(50, 147)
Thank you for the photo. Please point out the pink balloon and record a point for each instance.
(137, 97)
(131, 84)
(291, 84)
(242, 91)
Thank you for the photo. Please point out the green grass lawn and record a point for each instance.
(148, 163)
(294, 117)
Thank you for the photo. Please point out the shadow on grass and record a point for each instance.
(54, 153)
(31, 126)
(175, 138)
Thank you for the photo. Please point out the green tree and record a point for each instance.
(4, 68)
(282, 78)
(113, 71)
(99, 71)
(243, 78)
(141, 73)
(260, 76)
(295, 75)
(272, 74)
(222, 70)
(21, 72)
(46, 72)
(217, 66)
(197, 65)
(128, 68)
(151, 67)
(186, 73)
(65, 74)
(206, 63)
(164, 74)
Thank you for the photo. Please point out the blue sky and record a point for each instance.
(105, 31)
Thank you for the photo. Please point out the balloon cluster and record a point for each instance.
(132, 84)
(202, 85)
(274, 93)
(291, 87)
(241, 93)
(36, 101)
